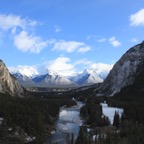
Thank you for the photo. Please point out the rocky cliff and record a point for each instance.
(124, 72)
(8, 84)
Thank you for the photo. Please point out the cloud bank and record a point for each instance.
(20, 29)
(71, 46)
(62, 66)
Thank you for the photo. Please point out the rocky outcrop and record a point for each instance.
(9, 84)
(124, 71)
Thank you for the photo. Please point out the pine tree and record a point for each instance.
(116, 120)
(82, 138)
(72, 138)
(68, 138)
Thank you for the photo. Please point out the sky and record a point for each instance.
(68, 36)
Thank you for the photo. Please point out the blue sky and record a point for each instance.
(68, 35)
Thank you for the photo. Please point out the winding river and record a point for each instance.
(68, 122)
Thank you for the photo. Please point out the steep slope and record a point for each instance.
(87, 77)
(52, 79)
(8, 84)
(124, 72)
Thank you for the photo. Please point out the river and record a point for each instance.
(68, 122)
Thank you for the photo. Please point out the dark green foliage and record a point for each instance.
(116, 120)
(105, 121)
(35, 115)
(68, 141)
(92, 113)
(82, 137)
(72, 139)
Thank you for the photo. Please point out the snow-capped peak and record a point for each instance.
(51, 72)
(87, 77)
(28, 71)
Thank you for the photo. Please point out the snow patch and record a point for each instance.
(110, 111)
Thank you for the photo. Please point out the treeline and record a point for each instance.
(92, 113)
(127, 129)
(32, 115)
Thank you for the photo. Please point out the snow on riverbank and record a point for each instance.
(110, 111)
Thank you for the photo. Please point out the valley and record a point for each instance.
(111, 111)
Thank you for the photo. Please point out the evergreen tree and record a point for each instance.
(116, 120)
(82, 138)
(68, 138)
(72, 138)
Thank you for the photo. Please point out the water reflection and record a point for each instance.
(68, 122)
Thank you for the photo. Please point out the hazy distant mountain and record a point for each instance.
(87, 77)
(28, 71)
(125, 72)
(9, 84)
(52, 79)
(24, 80)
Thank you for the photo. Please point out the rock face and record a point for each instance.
(8, 84)
(124, 72)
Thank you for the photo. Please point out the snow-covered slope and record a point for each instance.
(28, 71)
(124, 71)
(24, 80)
(51, 79)
(87, 77)
(30, 76)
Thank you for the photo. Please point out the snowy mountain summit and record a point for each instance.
(124, 71)
(87, 77)
(52, 79)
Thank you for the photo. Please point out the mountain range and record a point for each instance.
(53, 79)
(127, 72)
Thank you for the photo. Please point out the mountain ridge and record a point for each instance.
(124, 72)
(53, 79)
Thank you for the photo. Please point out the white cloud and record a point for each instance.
(137, 19)
(71, 46)
(84, 49)
(62, 66)
(29, 43)
(101, 67)
(57, 28)
(19, 29)
(89, 37)
(101, 40)
(98, 67)
(114, 42)
(134, 40)
(83, 61)
(10, 21)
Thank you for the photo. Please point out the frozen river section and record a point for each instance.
(68, 122)
(110, 111)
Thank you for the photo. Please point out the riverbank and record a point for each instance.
(67, 124)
